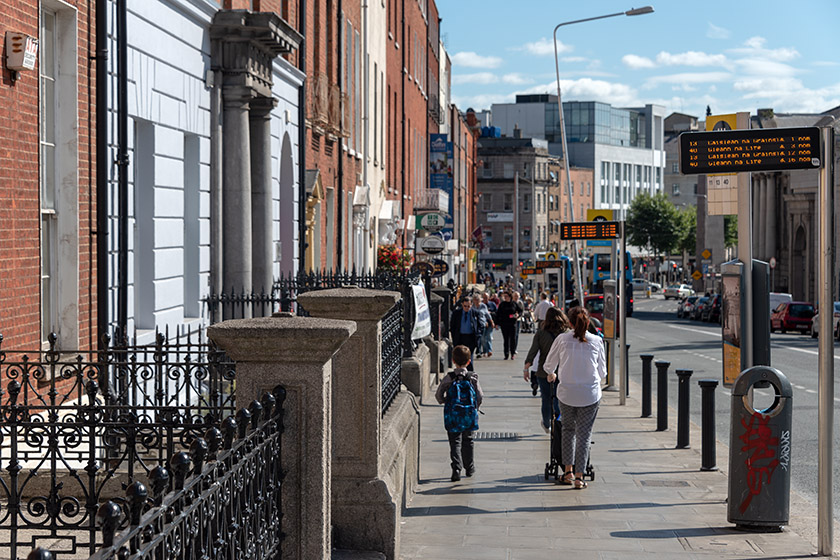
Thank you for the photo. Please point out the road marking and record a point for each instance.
(702, 356)
(811, 391)
(708, 333)
(803, 350)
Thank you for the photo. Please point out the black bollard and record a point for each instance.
(662, 395)
(627, 370)
(709, 453)
(684, 376)
(647, 359)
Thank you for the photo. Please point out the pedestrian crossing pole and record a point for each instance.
(622, 319)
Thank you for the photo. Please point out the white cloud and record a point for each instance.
(688, 78)
(481, 101)
(825, 63)
(691, 58)
(474, 60)
(483, 78)
(754, 46)
(637, 62)
(516, 79)
(544, 47)
(574, 59)
(587, 89)
(715, 32)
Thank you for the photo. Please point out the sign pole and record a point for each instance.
(515, 262)
(622, 321)
(825, 486)
(745, 256)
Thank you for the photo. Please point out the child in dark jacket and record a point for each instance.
(460, 441)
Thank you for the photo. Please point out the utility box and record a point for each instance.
(759, 452)
(21, 51)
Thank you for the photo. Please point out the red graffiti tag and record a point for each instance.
(761, 464)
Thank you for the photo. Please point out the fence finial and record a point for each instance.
(213, 437)
(268, 402)
(136, 494)
(180, 465)
(229, 430)
(108, 516)
(40, 554)
(198, 452)
(160, 483)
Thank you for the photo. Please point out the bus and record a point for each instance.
(555, 279)
(599, 270)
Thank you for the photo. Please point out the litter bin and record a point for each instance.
(759, 452)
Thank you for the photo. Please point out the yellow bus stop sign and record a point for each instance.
(697, 275)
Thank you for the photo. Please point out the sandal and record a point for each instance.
(566, 479)
(580, 484)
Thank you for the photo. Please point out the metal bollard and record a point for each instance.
(647, 359)
(684, 376)
(662, 395)
(627, 370)
(709, 453)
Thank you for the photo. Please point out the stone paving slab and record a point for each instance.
(648, 499)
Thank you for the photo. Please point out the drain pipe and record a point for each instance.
(122, 165)
(101, 171)
(302, 139)
(339, 238)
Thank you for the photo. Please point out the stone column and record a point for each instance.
(295, 352)
(371, 453)
(236, 190)
(771, 188)
(261, 199)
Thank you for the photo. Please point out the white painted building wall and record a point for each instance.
(377, 41)
(169, 171)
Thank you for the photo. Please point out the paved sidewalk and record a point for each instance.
(648, 499)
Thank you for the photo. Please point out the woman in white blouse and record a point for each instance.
(578, 358)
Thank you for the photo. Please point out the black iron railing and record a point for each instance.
(75, 426)
(222, 499)
(392, 335)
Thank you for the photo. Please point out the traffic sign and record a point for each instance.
(697, 275)
(760, 149)
(590, 230)
(706, 254)
(431, 245)
(441, 267)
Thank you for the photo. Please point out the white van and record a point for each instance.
(777, 297)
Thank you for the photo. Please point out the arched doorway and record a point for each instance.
(798, 275)
(288, 202)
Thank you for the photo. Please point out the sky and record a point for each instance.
(735, 55)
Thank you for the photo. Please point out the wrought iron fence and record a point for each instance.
(74, 426)
(392, 336)
(220, 500)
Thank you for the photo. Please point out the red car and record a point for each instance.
(595, 306)
(792, 316)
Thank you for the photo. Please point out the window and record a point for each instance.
(59, 188)
(526, 203)
(488, 170)
(508, 173)
(507, 240)
(572, 187)
(487, 202)
(675, 189)
(508, 201)
(675, 167)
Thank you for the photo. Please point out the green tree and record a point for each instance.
(655, 222)
(730, 230)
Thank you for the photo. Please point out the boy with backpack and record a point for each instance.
(461, 396)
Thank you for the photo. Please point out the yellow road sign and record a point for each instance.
(697, 275)
(706, 254)
(601, 215)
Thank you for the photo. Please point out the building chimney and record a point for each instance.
(517, 132)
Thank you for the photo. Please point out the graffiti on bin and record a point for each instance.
(758, 438)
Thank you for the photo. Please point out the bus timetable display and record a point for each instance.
(764, 149)
(590, 230)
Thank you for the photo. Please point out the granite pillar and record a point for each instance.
(261, 196)
(371, 452)
(236, 191)
(295, 352)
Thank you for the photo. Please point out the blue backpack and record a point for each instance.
(460, 413)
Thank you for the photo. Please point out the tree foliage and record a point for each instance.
(654, 221)
(688, 227)
(730, 230)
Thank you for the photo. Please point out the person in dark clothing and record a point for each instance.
(520, 306)
(464, 327)
(555, 323)
(506, 317)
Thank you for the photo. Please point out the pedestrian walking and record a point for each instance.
(578, 358)
(464, 327)
(541, 307)
(486, 324)
(520, 306)
(506, 316)
(461, 394)
(555, 324)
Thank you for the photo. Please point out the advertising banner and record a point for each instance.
(441, 161)
(422, 318)
(609, 326)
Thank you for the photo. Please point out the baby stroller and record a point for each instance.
(554, 467)
(528, 323)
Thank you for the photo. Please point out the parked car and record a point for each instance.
(711, 311)
(595, 305)
(697, 312)
(678, 291)
(686, 307)
(835, 322)
(778, 297)
(792, 316)
(644, 285)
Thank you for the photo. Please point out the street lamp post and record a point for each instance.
(632, 12)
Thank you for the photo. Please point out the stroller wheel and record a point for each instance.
(546, 473)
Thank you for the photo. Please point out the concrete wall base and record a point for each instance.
(416, 375)
(366, 512)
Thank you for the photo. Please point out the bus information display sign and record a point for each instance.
(590, 230)
(763, 149)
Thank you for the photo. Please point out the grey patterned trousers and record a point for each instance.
(577, 433)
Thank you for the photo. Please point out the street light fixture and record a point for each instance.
(631, 12)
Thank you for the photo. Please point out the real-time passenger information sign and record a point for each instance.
(590, 230)
(763, 149)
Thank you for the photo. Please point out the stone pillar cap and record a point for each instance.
(281, 339)
(357, 304)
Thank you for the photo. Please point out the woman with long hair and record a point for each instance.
(507, 314)
(554, 324)
(579, 359)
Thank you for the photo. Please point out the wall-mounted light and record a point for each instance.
(21, 53)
